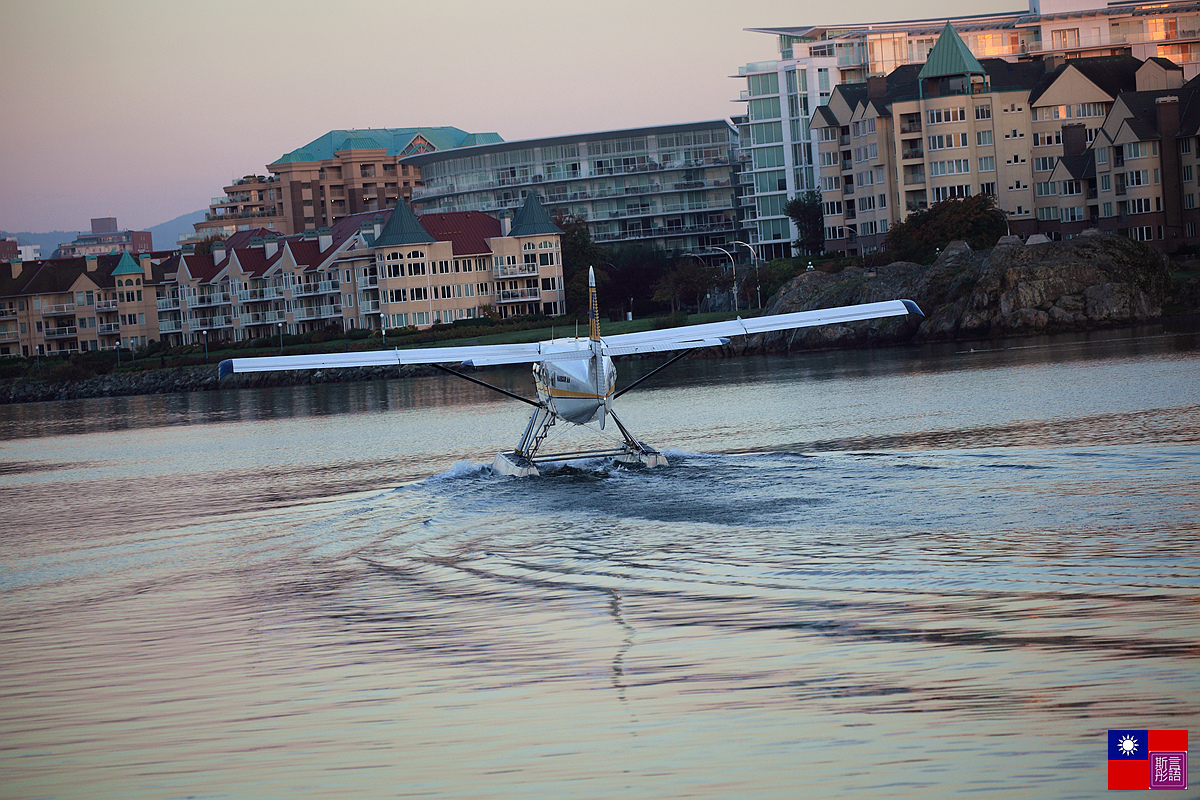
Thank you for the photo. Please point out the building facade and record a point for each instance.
(105, 239)
(815, 59)
(340, 173)
(957, 126)
(671, 186)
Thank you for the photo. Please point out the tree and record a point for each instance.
(579, 252)
(806, 211)
(689, 280)
(975, 220)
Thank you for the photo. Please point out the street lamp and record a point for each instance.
(757, 282)
(280, 324)
(734, 264)
(205, 346)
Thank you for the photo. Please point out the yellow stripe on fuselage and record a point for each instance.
(542, 389)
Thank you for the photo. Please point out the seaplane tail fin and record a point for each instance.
(593, 308)
(714, 333)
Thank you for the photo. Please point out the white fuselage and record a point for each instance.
(577, 390)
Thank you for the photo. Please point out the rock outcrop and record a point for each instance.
(1089, 282)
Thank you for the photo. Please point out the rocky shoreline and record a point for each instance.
(193, 379)
(1010, 290)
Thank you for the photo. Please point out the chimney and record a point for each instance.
(218, 252)
(378, 225)
(90, 261)
(505, 223)
(16, 268)
(1053, 61)
(1074, 139)
(144, 260)
(187, 249)
(1167, 115)
(270, 245)
(256, 241)
(324, 238)
(876, 86)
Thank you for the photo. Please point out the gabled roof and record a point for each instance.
(127, 266)
(467, 230)
(402, 228)
(532, 219)
(824, 117)
(1079, 167)
(1110, 74)
(950, 56)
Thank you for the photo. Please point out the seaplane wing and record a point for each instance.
(478, 355)
(717, 333)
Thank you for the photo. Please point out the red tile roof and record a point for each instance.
(467, 230)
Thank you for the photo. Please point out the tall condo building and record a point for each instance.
(672, 186)
(781, 149)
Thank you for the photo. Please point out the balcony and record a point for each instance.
(9, 336)
(913, 178)
(514, 270)
(212, 323)
(60, 333)
(910, 127)
(164, 304)
(317, 312)
(369, 306)
(915, 152)
(106, 305)
(58, 310)
(319, 287)
(367, 282)
(517, 295)
(262, 318)
(8, 313)
(108, 328)
(214, 299)
(170, 326)
(260, 295)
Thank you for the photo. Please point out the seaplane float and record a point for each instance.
(575, 377)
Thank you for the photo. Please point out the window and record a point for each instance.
(1101, 155)
(1071, 188)
(1139, 177)
(1046, 189)
(1139, 205)
(983, 138)
(1185, 145)
(1106, 210)
(935, 116)
(1072, 214)
(1105, 182)
(1135, 150)
(1044, 163)
(1047, 213)
(988, 188)
(1144, 233)
(1187, 174)
(983, 112)
(941, 193)
(1189, 201)
(833, 208)
(882, 201)
(1047, 139)
(987, 164)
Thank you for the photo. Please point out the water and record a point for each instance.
(897, 573)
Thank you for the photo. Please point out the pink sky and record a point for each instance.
(144, 110)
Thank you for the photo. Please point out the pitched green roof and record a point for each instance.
(532, 219)
(397, 141)
(950, 56)
(403, 227)
(127, 266)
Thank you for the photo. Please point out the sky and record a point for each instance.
(145, 109)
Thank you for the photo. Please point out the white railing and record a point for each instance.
(317, 312)
(106, 305)
(53, 311)
(60, 333)
(368, 281)
(369, 306)
(321, 287)
(169, 326)
(514, 295)
(9, 336)
(512, 271)
(263, 318)
(257, 295)
(109, 327)
(164, 304)
(220, 321)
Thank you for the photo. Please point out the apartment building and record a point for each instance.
(957, 126)
(814, 59)
(340, 173)
(105, 238)
(672, 186)
(71, 305)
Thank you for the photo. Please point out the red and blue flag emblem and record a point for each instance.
(1146, 759)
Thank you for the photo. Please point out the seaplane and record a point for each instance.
(574, 377)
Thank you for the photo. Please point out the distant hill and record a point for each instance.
(165, 235)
